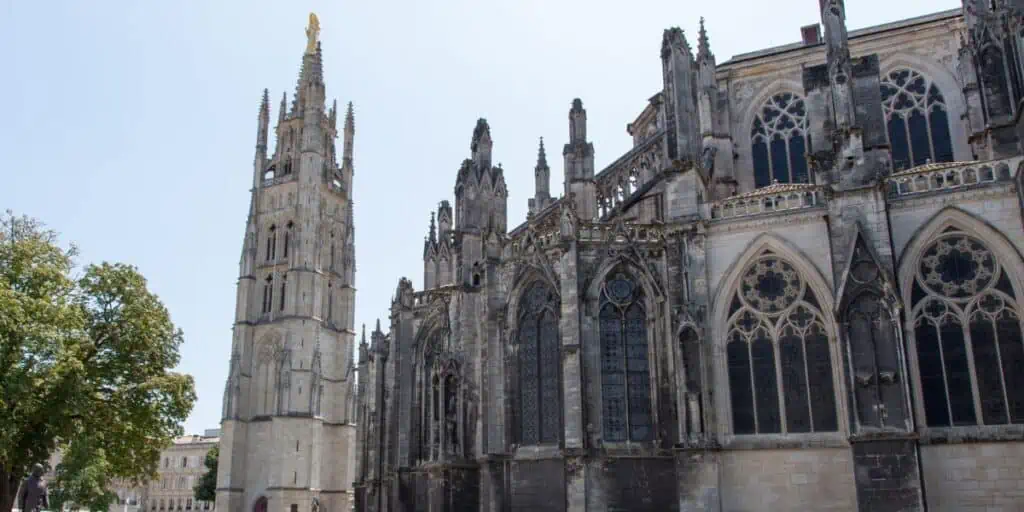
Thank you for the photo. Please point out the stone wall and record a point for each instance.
(805, 479)
(973, 477)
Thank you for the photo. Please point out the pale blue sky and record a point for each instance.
(130, 125)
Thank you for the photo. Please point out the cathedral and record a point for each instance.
(801, 289)
(288, 423)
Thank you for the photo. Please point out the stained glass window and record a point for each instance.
(778, 141)
(539, 359)
(966, 314)
(779, 355)
(625, 372)
(917, 118)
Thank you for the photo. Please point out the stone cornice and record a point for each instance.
(770, 219)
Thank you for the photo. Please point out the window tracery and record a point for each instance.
(778, 352)
(539, 359)
(917, 119)
(625, 372)
(967, 331)
(778, 140)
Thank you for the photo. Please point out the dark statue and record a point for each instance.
(32, 497)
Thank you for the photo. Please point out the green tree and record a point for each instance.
(206, 488)
(85, 365)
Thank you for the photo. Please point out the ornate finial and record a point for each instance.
(265, 104)
(703, 48)
(312, 33)
(350, 118)
(378, 325)
(542, 157)
(364, 333)
(433, 229)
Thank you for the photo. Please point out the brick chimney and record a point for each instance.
(811, 34)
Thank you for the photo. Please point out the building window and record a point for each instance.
(625, 378)
(188, 504)
(779, 141)
(330, 302)
(539, 360)
(778, 352)
(272, 243)
(967, 331)
(284, 283)
(287, 238)
(917, 119)
(162, 503)
(184, 462)
(268, 294)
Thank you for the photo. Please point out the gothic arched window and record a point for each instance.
(284, 284)
(287, 238)
(539, 360)
(917, 119)
(778, 141)
(625, 372)
(268, 294)
(779, 353)
(271, 243)
(967, 329)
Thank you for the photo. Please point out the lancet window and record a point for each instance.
(272, 243)
(778, 140)
(778, 351)
(268, 294)
(917, 120)
(625, 369)
(967, 332)
(538, 366)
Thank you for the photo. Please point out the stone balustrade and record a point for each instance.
(940, 177)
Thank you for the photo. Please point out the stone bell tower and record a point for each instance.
(288, 424)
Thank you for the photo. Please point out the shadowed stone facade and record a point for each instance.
(801, 289)
(288, 424)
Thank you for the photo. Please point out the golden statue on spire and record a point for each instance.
(312, 33)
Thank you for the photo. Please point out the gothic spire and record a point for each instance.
(703, 47)
(378, 326)
(284, 108)
(433, 229)
(334, 114)
(349, 138)
(542, 157)
(264, 122)
(311, 75)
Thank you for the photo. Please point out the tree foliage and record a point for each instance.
(206, 488)
(85, 365)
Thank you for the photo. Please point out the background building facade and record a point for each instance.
(800, 290)
(288, 422)
(181, 467)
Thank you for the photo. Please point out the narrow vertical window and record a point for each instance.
(267, 294)
(287, 238)
(539, 359)
(284, 284)
(271, 243)
(625, 374)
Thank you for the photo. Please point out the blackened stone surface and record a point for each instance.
(887, 476)
(867, 96)
(538, 486)
(640, 485)
(462, 490)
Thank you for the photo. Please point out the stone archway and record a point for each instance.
(260, 505)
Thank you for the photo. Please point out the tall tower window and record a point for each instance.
(778, 140)
(917, 119)
(272, 243)
(287, 238)
(284, 283)
(625, 373)
(268, 294)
